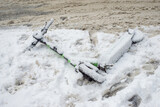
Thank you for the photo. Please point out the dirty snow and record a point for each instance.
(42, 78)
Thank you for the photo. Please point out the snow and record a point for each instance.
(138, 36)
(121, 46)
(43, 31)
(91, 73)
(42, 78)
(76, 42)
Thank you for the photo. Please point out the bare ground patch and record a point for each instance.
(96, 15)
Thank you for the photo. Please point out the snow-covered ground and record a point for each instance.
(42, 78)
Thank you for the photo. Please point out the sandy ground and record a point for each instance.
(94, 15)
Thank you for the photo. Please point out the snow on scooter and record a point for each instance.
(89, 69)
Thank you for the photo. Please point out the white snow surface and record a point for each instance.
(42, 78)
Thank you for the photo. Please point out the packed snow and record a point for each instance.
(40, 77)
